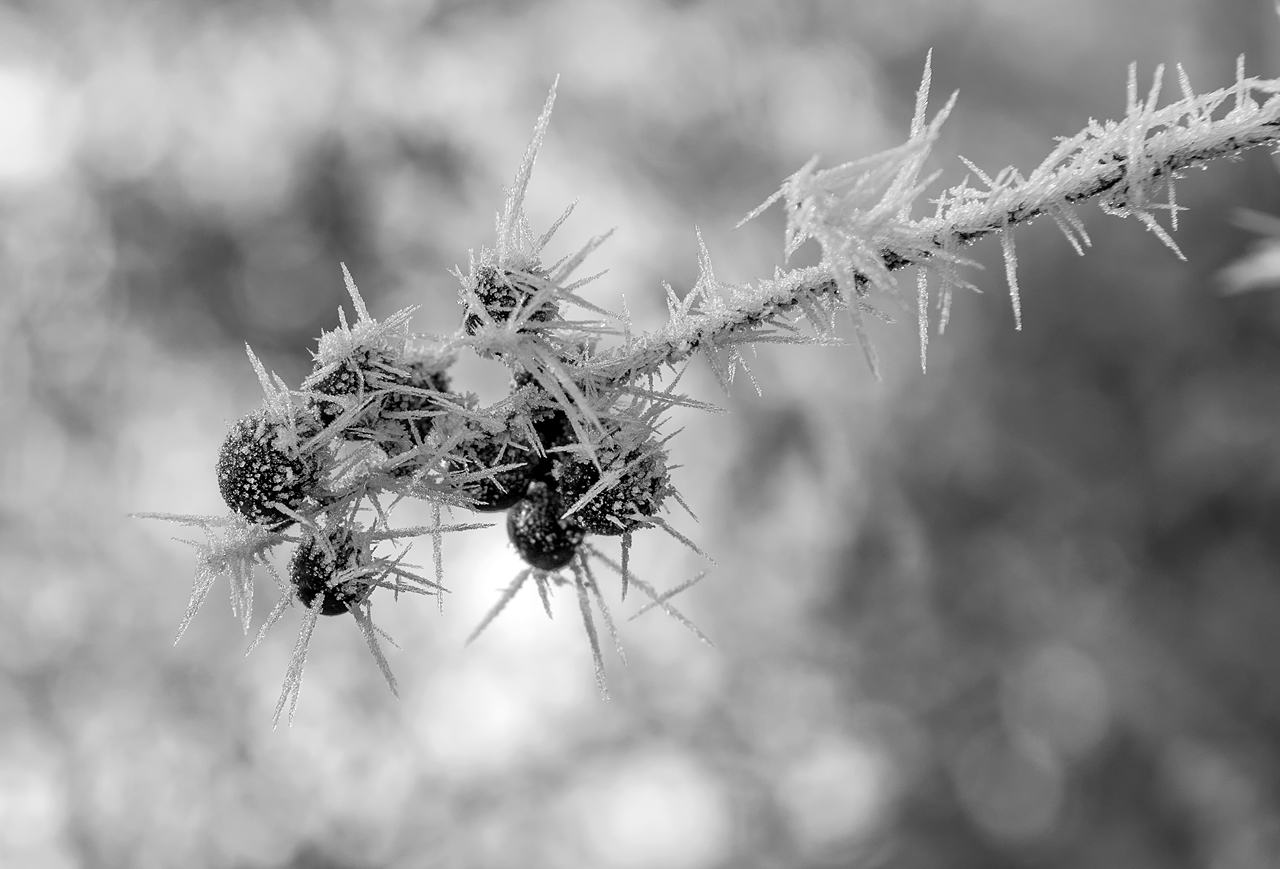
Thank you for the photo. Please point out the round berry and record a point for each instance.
(335, 569)
(624, 506)
(365, 370)
(503, 489)
(502, 297)
(256, 472)
(543, 539)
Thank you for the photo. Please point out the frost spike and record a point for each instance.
(362, 313)
(922, 97)
(505, 599)
(365, 621)
(277, 612)
(670, 593)
(293, 677)
(513, 209)
(584, 604)
(1011, 275)
(204, 581)
(922, 312)
(671, 611)
(594, 588)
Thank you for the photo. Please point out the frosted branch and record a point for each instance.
(860, 215)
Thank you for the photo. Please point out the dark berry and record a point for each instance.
(505, 488)
(622, 507)
(502, 297)
(543, 539)
(335, 570)
(255, 471)
(553, 428)
(366, 370)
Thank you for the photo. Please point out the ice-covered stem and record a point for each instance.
(860, 214)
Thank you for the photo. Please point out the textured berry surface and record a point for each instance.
(535, 528)
(354, 376)
(313, 570)
(254, 472)
(624, 506)
(502, 298)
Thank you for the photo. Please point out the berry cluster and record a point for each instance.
(378, 403)
(573, 496)
(367, 404)
(538, 471)
(571, 451)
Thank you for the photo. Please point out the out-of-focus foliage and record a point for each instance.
(1020, 611)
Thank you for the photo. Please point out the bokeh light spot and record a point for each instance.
(1059, 695)
(658, 810)
(1013, 789)
(33, 135)
(835, 793)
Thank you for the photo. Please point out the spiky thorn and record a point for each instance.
(584, 605)
(435, 531)
(277, 612)
(659, 600)
(543, 581)
(277, 401)
(626, 559)
(233, 547)
(668, 594)
(437, 551)
(297, 662)
(364, 619)
(666, 526)
(592, 586)
(505, 599)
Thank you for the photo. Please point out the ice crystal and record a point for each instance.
(233, 548)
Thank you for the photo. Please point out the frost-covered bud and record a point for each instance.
(543, 539)
(502, 296)
(256, 470)
(640, 493)
(338, 570)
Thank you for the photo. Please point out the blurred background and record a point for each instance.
(1023, 610)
